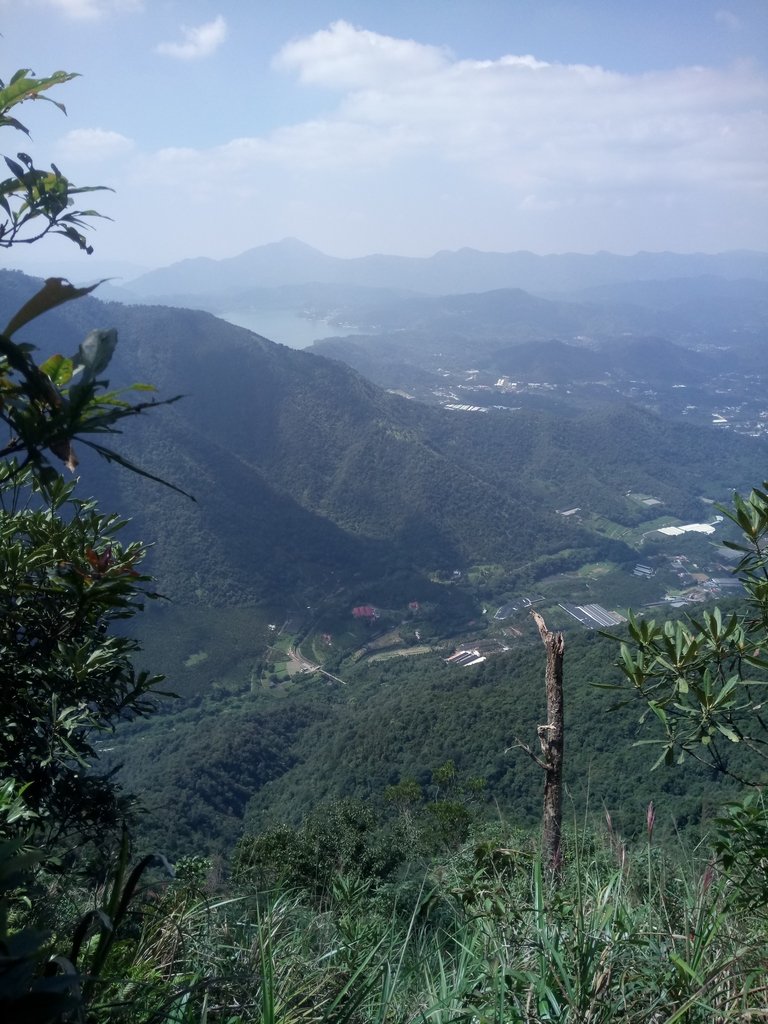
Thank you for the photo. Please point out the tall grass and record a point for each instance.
(484, 937)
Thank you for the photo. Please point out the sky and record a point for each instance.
(399, 126)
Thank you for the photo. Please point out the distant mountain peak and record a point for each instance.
(289, 244)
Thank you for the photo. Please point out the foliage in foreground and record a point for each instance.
(480, 937)
(37, 202)
(65, 579)
(703, 682)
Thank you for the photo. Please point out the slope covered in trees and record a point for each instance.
(305, 473)
(313, 485)
(245, 760)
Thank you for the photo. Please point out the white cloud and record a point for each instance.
(90, 9)
(543, 127)
(198, 41)
(612, 153)
(91, 144)
(344, 56)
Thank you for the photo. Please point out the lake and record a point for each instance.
(285, 326)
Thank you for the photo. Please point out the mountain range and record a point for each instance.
(413, 318)
(291, 262)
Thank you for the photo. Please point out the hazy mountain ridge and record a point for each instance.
(648, 358)
(650, 331)
(465, 270)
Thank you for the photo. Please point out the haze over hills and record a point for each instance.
(462, 348)
(302, 468)
(291, 262)
(325, 463)
(403, 329)
(417, 360)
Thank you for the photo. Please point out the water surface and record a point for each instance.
(285, 326)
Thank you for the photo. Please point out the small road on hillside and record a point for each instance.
(302, 664)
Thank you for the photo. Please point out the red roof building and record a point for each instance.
(365, 611)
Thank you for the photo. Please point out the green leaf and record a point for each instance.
(756, 661)
(21, 88)
(55, 292)
(59, 369)
(659, 712)
(11, 122)
(728, 733)
(15, 168)
(666, 757)
(736, 547)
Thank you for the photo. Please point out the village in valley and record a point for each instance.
(728, 401)
(678, 565)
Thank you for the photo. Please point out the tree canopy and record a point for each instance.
(65, 578)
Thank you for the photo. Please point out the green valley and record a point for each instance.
(317, 494)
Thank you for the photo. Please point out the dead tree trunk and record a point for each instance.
(551, 738)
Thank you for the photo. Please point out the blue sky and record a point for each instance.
(402, 127)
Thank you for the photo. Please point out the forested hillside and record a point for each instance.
(302, 469)
(235, 760)
(314, 487)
